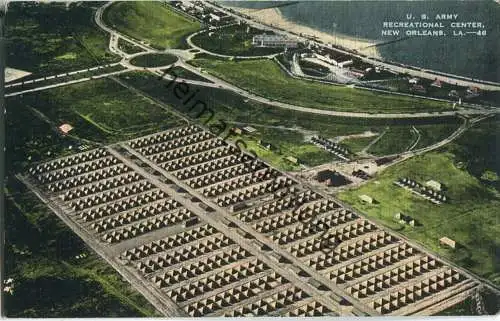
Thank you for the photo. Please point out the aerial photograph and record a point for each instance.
(250, 158)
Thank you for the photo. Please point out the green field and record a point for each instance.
(471, 217)
(47, 39)
(394, 140)
(357, 144)
(150, 21)
(100, 110)
(286, 142)
(265, 78)
(233, 41)
(153, 60)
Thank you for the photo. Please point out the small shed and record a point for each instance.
(447, 241)
(292, 159)
(434, 185)
(237, 130)
(367, 199)
(65, 128)
(437, 83)
(399, 216)
(249, 129)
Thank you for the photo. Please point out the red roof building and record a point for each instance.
(65, 128)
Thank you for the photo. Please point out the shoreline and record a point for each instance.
(273, 17)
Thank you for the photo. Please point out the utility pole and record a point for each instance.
(3, 12)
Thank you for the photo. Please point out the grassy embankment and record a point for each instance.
(265, 78)
(152, 22)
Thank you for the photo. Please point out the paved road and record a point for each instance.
(66, 83)
(61, 75)
(428, 74)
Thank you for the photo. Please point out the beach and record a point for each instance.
(273, 17)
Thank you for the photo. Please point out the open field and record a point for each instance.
(357, 144)
(470, 218)
(234, 40)
(48, 280)
(401, 138)
(476, 151)
(264, 77)
(429, 134)
(152, 22)
(286, 142)
(101, 110)
(47, 39)
(153, 60)
(394, 140)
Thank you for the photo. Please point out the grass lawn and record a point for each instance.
(471, 217)
(153, 60)
(264, 77)
(48, 39)
(100, 110)
(394, 140)
(429, 133)
(398, 139)
(357, 144)
(287, 143)
(150, 21)
(233, 41)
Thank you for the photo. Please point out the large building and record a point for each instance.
(273, 41)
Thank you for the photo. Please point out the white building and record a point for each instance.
(434, 185)
(219, 16)
(273, 41)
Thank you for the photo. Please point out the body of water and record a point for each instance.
(471, 55)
